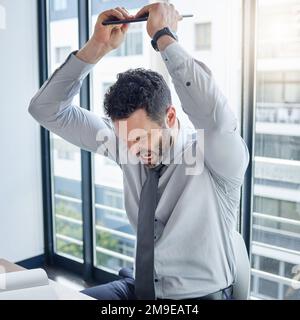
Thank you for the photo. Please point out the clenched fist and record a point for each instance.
(161, 15)
(105, 38)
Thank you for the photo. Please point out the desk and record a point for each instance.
(64, 293)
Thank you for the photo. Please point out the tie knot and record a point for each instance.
(158, 169)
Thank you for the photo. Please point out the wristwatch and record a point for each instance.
(159, 33)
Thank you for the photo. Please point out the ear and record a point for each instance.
(171, 116)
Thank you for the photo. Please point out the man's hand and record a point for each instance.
(161, 15)
(105, 38)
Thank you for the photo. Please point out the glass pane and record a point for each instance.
(66, 160)
(276, 198)
(206, 37)
(114, 238)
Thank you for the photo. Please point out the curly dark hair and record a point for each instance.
(138, 89)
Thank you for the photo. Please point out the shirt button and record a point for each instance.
(188, 83)
(155, 220)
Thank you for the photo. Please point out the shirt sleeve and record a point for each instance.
(52, 106)
(225, 152)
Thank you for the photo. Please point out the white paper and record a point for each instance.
(35, 285)
(34, 293)
(23, 279)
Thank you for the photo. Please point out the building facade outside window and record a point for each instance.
(276, 198)
(203, 36)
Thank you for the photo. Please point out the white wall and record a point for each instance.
(21, 226)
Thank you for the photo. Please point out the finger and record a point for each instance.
(130, 15)
(112, 13)
(124, 28)
(145, 10)
(179, 16)
(125, 9)
(124, 12)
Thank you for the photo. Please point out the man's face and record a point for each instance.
(145, 138)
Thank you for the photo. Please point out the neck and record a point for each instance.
(173, 138)
(176, 130)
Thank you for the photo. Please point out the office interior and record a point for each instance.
(61, 208)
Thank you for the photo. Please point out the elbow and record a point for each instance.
(36, 109)
(33, 109)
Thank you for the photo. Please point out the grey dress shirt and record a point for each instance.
(196, 214)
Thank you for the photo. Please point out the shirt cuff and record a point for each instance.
(76, 68)
(174, 55)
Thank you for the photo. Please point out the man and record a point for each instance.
(184, 222)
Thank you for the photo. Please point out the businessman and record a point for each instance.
(184, 221)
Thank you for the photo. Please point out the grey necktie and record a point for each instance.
(144, 273)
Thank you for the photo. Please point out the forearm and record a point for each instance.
(208, 109)
(92, 52)
(164, 41)
(53, 108)
(58, 91)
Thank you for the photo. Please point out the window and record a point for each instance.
(272, 289)
(133, 44)
(276, 198)
(65, 154)
(275, 225)
(277, 146)
(60, 5)
(114, 238)
(61, 54)
(105, 86)
(280, 39)
(66, 159)
(279, 87)
(114, 241)
(203, 36)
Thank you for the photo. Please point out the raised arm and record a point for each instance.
(53, 107)
(225, 152)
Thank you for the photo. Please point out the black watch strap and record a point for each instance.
(162, 32)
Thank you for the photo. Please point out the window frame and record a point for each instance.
(87, 269)
(248, 115)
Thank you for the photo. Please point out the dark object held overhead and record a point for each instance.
(143, 18)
